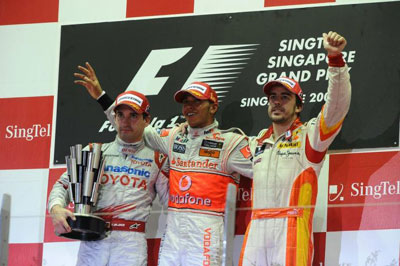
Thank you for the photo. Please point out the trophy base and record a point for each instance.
(86, 228)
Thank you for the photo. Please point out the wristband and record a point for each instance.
(102, 93)
(336, 60)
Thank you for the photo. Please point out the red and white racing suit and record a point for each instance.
(133, 174)
(285, 179)
(202, 164)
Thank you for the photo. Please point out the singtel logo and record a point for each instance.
(383, 188)
(359, 189)
(36, 131)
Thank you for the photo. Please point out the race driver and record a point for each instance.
(203, 162)
(133, 174)
(287, 159)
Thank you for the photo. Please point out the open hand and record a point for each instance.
(89, 80)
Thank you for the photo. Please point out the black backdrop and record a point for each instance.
(117, 50)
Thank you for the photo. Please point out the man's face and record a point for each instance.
(282, 105)
(130, 125)
(198, 113)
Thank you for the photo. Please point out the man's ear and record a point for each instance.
(147, 119)
(213, 108)
(298, 109)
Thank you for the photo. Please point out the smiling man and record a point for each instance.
(203, 161)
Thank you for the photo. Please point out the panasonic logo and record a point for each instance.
(125, 169)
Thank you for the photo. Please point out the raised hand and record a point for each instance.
(334, 43)
(89, 80)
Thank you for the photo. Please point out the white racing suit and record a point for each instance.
(285, 179)
(133, 174)
(202, 164)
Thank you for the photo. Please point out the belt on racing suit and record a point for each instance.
(125, 225)
(276, 213)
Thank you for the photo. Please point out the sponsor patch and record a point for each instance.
(288, 154)
(206, 164)
(141, 159)
(287, 81)
(288, 134)
(288, 145)
(209, 153)
(181, 139)
(208, 131)
(212, 144)
(131, 98)
(246, 152)
(197, 87)
(179, 148)
(128, 170)
(164, 133)
(260, 150)
(215, 136)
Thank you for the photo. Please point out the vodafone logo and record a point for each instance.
(181, 199)
(185, 183)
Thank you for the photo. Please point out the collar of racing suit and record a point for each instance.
(287, 134)
(196, 132)
(129, 148)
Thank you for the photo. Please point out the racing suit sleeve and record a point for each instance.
(162, 183)
(156, 141)
(107, 104)
(59, 193)
(240, 159)
(323, 129)
(105, 101)
(108, 111)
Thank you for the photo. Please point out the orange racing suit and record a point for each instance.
(202, 164)
(285, 179)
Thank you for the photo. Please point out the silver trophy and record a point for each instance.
(85, 169)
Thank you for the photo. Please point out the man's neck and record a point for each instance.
(205, 125)
(280, 128)
(130, 141)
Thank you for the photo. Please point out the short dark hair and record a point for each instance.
(299, 102)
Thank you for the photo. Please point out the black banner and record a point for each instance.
(236, 54)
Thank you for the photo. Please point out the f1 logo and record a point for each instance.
(220, 66)
(145, 80)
